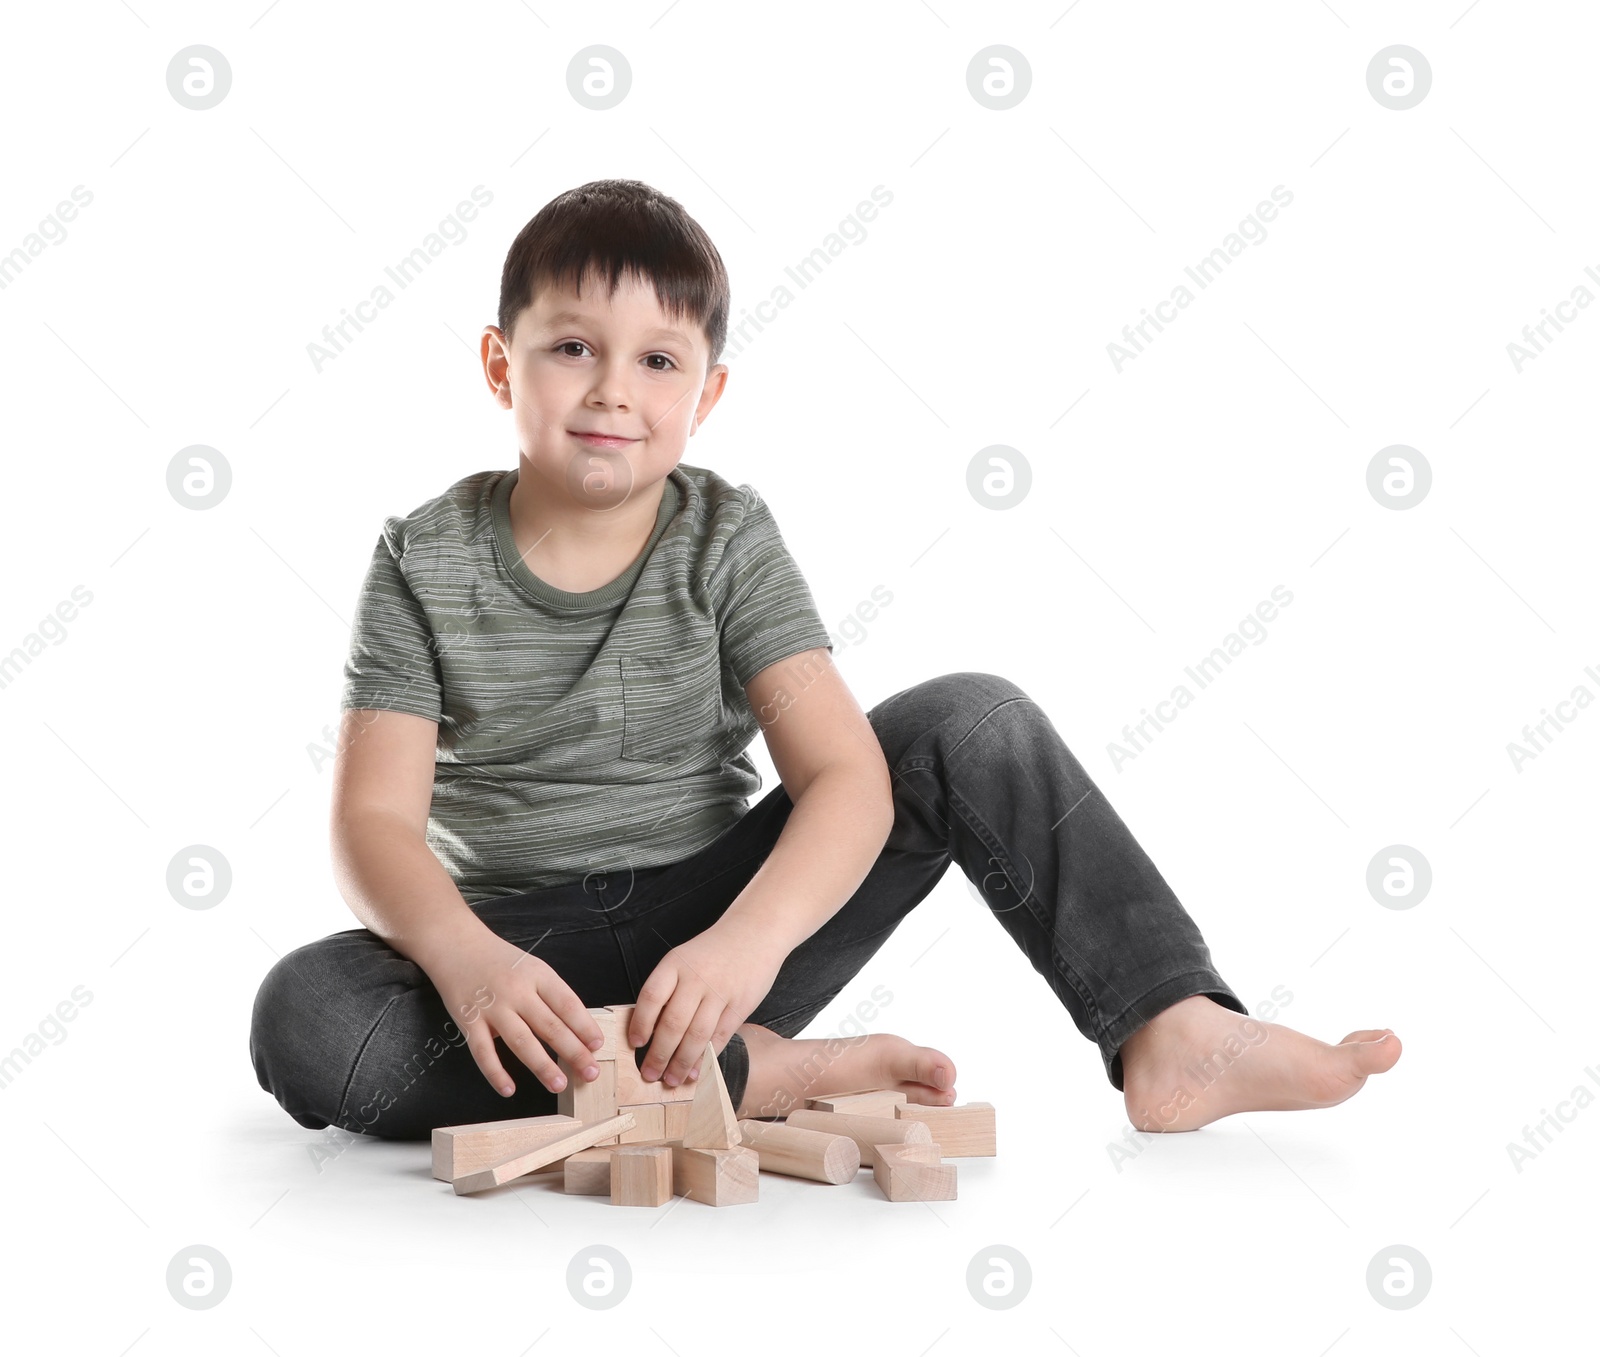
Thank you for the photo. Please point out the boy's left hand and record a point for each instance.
(700, 991)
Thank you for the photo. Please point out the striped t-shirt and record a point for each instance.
(578, 732)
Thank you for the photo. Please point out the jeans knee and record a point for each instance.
(291, 1040)
(967, 693)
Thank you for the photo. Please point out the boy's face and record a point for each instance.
(586, 364)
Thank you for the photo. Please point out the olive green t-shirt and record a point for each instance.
(578, 732)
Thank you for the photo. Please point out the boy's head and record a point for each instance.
(613, 313)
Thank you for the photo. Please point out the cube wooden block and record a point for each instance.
(630, 1087)
(964, 1130)
(649, 1122)
(458, 1150)
(717, 1177)
(641, 1175)
(878, 1102)
(913, 1173)
(588, 1172)
(588, 1100)
(675, 1118)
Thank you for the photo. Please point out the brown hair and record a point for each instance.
(613, 226)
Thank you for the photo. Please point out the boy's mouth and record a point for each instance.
(600, 440)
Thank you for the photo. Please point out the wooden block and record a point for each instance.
(964, 1130)
(631, 1088)
(585, 1137)
(466, 1149)
(641, 1175)
(650, 1122)
(878, 1102)
(718, 1177)
(675, 1117)
(819, 1155)
(606, 1020)
(588, 1100)
(588, 1172)
(865, 1131)
(913, 1173)
(712, 1125)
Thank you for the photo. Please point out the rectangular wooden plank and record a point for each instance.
(965, 1130)
(880, 1102)
(585, 1137)
(477, 1145)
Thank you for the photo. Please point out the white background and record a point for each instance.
(1230, 457)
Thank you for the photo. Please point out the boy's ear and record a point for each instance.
(710, 394)
(495, 353)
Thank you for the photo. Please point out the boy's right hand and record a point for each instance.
(494, 988)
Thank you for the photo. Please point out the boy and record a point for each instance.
(539, 804)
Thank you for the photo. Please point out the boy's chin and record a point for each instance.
(602, 478)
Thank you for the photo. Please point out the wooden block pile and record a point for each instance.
(641, 1143)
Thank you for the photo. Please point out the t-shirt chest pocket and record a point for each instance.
(671, 702)
(577, 732)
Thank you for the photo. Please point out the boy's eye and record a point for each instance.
(565, 345)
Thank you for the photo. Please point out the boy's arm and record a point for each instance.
(393, 883)
(831, 765)
(390, 878)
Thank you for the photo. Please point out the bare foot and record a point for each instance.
(785, 1072)
(1198, 1061)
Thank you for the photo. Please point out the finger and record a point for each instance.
(554, 1029)
(692, 1049)
(726, 1027)
(577, 1019)
(516, 1034)
(655, 992)
(675, 1017)
(480, 1041)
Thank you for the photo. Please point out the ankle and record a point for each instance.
(1170, 1032)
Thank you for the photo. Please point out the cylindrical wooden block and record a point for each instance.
(821, 1156)
(865, 1131)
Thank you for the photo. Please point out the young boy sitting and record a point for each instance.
(540, 798)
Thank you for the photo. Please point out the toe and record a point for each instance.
(1369, 1034)
(1379, 1054)
(934, 1068)
(1348, 1064)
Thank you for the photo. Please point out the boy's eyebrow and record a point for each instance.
(579, 318)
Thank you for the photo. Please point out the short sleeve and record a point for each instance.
(393, 664)
(769, 614)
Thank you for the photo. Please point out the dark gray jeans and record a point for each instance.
(348, 1032)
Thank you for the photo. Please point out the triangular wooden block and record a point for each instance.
(712, 1124)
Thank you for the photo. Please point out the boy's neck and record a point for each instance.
(575, 546)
